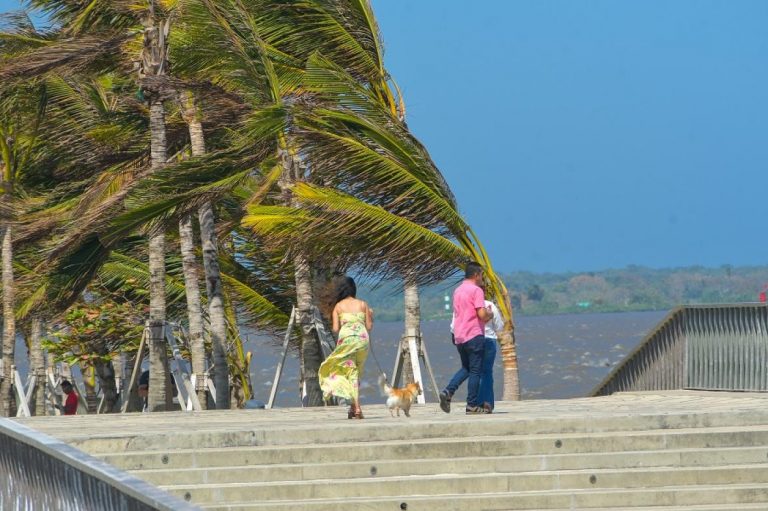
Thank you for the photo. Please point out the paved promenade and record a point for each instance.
(681, 450)
(574, 413)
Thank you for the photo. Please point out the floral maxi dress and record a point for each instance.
(340, 373)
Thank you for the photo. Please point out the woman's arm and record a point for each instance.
(368, 317)
(335, 322)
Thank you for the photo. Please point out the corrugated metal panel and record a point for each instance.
(39, 473)
(715, 347)
(727, 348)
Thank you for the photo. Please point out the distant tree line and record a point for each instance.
(634, 288)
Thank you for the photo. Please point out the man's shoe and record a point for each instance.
(476, 410)
(487, 408)
(445, 401)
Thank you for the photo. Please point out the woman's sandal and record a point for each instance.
(358, 414)
(351, 413)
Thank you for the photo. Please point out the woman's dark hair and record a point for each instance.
(345, 287)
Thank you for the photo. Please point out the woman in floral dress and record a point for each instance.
(340, 373)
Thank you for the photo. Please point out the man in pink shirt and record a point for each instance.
(469, 317)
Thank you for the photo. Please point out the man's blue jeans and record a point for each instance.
(471, 354)
(486, 379)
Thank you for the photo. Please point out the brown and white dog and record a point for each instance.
(399, 398)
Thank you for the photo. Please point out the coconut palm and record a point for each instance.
(21, 112)
(152, 20)
(322, 158)
(347, 33)
(237, 48)
(238, 55)
(187, 243)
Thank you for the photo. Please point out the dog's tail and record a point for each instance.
(383, 385)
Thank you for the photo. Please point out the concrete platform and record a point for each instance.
(653, 450)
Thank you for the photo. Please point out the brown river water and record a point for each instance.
(560, 356)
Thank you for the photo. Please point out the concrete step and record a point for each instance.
(514, 445)
(166, 435)
(471, 465)
(444, 483)
(706, 507)
(664, 451)
(678, 498)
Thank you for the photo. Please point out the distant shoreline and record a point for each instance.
(632, 289)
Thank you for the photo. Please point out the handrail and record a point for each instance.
(40, 472)
(712, 347)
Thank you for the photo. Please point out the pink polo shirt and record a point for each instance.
(467, 298)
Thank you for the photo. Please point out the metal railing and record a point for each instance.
(40, 473)
(705, 347)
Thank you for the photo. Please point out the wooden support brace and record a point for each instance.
(413, 350)
(52, 382)
(211, 387)
(279, 370)
(428, 366)
(187, 395)
(22, 405)
(134, 373)
(397, 371)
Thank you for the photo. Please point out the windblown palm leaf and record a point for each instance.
(367, 236)
(260, 311)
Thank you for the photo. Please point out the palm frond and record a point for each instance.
(260, 311)
(126, 273)
(337, 227)
(62, 55)
(369, 161)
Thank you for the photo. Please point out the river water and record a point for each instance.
(559, 356)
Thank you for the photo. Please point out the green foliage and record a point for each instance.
(535, 293)
(631, 289)
(95, 330)
(308, 151)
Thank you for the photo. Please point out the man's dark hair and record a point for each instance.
(65, 384)
(345, 288)
(472, 269)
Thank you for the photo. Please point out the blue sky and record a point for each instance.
(580, 135)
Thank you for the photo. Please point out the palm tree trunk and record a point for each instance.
(196, 135)
(158, 397)
(105, 371)
(194, 309)
(9, 323)
(412, 323)
(216, 312)
(37, 366)
(311, 354)
(508, 348)
(509, 362)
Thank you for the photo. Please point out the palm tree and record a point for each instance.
(347, 33)
(154, 17)
(237, 48)
(412, 323)
(324, 125)
(154, 63)
(186, 235)
(290, 37)
(37, 365)
(21, 111)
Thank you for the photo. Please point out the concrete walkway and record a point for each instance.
(655, 450)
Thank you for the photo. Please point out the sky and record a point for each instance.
(580, 135)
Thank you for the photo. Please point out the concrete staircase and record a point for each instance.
(661, 451)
